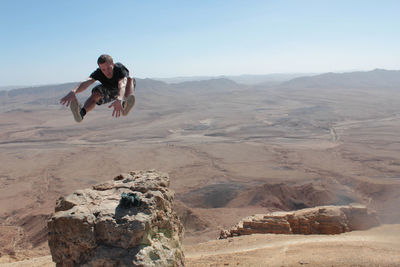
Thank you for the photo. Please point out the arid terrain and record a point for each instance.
(231, 150)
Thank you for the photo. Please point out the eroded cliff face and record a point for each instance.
(318, 220)
(93, 227)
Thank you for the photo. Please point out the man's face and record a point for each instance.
(107, 69)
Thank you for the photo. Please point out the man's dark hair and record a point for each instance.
(105, 58)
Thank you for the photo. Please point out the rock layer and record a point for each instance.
(91, 228)
(318, 220)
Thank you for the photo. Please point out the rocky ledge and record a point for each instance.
(318, 220)
(128, 221)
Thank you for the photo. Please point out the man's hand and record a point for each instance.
(66, 100)
(117, 108)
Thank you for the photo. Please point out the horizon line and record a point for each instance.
(11, 87)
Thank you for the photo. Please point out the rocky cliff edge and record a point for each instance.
(318, 220)
(128, 221)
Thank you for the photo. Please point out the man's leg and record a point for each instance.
(76, 108)
(90, 103)
(92, 100)
(129, 97)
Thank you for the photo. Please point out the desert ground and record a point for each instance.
(231, 150)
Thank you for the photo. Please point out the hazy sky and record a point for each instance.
(59, 41)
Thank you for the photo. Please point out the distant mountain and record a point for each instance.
(248, 79)
(266, 78)
(219, 84)
(10, 87)
(50, 89)
(146, 88)
(183, 79)
(47, 94)
(377, 78)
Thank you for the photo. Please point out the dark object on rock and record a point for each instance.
(129, 200)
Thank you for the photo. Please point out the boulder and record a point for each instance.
(318, 220)
(94, 227)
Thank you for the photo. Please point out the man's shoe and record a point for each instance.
(128, 105)
(76, 111)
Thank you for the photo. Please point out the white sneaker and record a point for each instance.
(128, 105)
(76, 111)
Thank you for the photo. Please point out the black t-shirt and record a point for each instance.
(119, 72)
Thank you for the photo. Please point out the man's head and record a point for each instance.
(106, 64)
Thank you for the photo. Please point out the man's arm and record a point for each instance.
(121, 88)
(83, 86)
(66, 100)
(117, 104)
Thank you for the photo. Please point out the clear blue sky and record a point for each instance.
(59, 41)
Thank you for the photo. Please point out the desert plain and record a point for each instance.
(231, 150)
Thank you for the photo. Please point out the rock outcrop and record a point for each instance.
(93, 227)
(318, 220)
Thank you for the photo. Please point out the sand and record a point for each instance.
(217, 146)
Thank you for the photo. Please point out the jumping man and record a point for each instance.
(116, 86)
